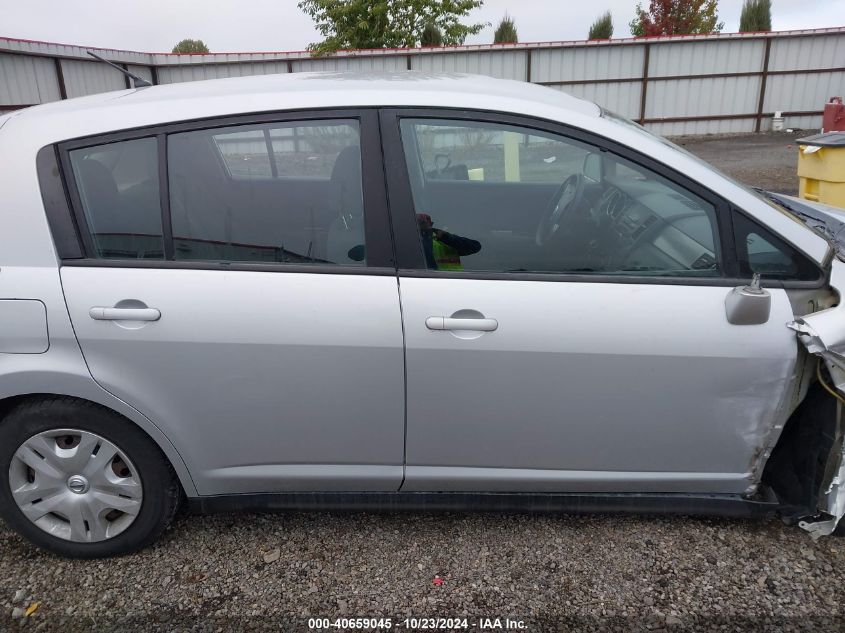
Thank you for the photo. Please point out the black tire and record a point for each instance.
(162, 491)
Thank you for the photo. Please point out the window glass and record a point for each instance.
(245, 153)
(285, 151)
(760, 251)
(118, 187)
(482, 152)
(232, 199)
(310, 150)
(500, 198)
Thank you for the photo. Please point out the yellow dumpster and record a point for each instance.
(821, 168)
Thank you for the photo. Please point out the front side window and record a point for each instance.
(118, 187)
(501, 198)
(279, 192)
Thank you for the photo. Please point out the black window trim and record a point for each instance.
(410, 259)
(78, 248)
(54, 195)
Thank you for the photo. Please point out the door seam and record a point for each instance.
(404, 387)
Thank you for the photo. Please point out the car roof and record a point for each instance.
(327, 90)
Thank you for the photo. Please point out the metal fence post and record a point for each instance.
(60, 78)
(528, 66)
(763, 80)
(644, 88)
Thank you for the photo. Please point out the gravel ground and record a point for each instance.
(568, 573)
(553, 572)
(761, 160)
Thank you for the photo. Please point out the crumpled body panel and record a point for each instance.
(823, 334)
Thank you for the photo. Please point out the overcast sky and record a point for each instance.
(278, 25)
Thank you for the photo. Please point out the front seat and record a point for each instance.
(345, 240)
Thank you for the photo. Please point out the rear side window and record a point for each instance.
(285, 150)
(119, 191)
(761, 251)
(283, 192)
(275, 193)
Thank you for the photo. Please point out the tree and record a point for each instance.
(431, 36)
(190, 46)
(676, 17)
(505, 32)
(350, 24)
(602, 28)
(756, 16)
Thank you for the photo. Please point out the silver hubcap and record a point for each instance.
(78, 484)
(75, 485)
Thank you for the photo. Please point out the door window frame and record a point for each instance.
(409, 253)
(70, 228)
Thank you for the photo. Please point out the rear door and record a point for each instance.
(238, 289)
(575, 347)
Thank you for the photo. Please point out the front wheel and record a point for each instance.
(81, 481)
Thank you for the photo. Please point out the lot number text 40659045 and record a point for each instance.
(418, 624)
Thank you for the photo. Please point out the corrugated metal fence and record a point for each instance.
(674, 85)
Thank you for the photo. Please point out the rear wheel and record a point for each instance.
(82, 481)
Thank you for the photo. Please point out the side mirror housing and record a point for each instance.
(748, 305)
(592, 169)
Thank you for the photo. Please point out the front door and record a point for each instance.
(237, 291)
(564, 315)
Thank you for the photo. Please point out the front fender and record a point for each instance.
(823, 334)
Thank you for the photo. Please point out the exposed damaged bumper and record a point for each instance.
(823, 334)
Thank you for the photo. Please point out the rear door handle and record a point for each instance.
(450, 323)
(124, 314)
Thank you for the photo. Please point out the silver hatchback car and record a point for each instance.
(400, 291)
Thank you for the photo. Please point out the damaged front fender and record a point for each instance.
(823, 334)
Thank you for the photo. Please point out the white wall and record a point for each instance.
(692, 81)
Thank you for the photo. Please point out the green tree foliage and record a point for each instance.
(602, 28)
(756, 16)
(431, 36)
(505, 32)
(190, 46)
(350, 24)
(676, 17)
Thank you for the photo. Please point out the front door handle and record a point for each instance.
(124, 314)
(451, 323)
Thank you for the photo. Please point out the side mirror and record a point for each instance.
(592, 169)
(748, 305)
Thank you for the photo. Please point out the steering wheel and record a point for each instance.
(567, 198)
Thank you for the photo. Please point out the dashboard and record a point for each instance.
(652, 227)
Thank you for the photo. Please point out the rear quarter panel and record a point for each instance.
(29, 270)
